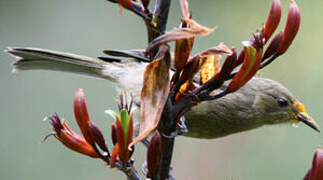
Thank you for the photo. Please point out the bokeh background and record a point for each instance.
(89, 26)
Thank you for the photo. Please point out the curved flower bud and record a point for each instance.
(251, 64)
(114, 155)
(272, 20)
(125, 3)
(113, 134)
(291, 28)
(229, 64)
(82, 116)
(274, 45)
(153, 154)
(98, 137)
(316, 172)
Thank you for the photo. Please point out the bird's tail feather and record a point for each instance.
(127, 74)
(43, 59)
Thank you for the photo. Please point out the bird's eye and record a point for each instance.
(282, 102)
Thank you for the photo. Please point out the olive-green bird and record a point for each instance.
(260, 102)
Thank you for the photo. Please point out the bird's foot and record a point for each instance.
(180, 129)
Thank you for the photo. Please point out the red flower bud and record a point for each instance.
(98, 137)
(114, 155)
(240, 58)
(251, 64)
(125, 3)
(113, 134)
(121, 141)
(82, 116)
(153, 154)
(272, 20)
(273, 46)
(316, 172)
(228, 65)
(291, 28)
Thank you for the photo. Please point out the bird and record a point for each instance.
(260, 102)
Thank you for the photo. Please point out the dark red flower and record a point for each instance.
(153, 154)
(316, 172)
(91, 133)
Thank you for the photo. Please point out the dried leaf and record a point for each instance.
(210, 68)
(184, 89)
(185, 9)
(195, 63)
(219, 49)
(154, 93)
(194, 29)
(183, 48)
(250, 66)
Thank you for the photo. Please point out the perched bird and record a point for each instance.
(260, 102)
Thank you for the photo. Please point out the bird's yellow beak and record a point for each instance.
(301, 115)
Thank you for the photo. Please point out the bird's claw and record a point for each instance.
(145, 142)
(180, 129)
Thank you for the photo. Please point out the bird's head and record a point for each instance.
(278, 105)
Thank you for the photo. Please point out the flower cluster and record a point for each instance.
(169, 98)
(196, 77)
(93, 143)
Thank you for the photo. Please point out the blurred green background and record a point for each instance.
(89, 26)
